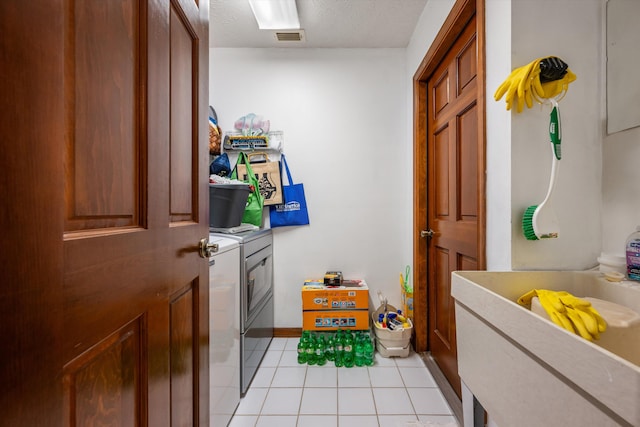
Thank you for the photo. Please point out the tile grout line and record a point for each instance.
(306, 372)
(406, 390)
(373, 396)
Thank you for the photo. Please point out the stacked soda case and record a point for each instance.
(329, 307)
(343, 348)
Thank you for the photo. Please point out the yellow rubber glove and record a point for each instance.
(584, 313)
(523, 85)
(552, 89)
(524, 88)
(517, 86)
(569, 312)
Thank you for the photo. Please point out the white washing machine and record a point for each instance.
(256, 299)
(224, 330)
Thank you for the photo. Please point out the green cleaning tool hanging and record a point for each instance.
(540, 221)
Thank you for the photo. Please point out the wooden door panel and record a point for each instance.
(183, 139)
(443, 345)
(103, 386)
(466, 66)
(102, 108)
(440, 93)
(440, 176)
(466, 263)
(183, 321)
(468, 164)
(442, 324)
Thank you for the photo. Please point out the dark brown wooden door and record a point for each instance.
(105, 297)
(453, 190)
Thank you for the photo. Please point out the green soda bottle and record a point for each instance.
(311, 351)
(330, 352)
(320, 357)
(302, 347)
(359, 349)
(302, 353)
(368, 350)
(347, 348)
(338, 358)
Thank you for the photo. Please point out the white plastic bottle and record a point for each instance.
(633, 255)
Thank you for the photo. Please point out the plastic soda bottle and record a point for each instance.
(330, 351)
(339, 356)
(368, 350)
(347, 348)
(359, 350)
(302, 351)
(320, 357)
(302, 346)
(311, 350)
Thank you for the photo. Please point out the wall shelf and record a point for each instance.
(272, 142)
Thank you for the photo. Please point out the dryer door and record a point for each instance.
(259, 282)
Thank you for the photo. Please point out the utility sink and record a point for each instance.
(526, 371)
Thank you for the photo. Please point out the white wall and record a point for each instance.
(343, 113)
(578, 198)
(498, 137)
(620, 189)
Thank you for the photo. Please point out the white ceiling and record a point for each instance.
(326, 24)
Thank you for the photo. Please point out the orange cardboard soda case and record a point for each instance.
(317, 296)
(328, 308)
(331, 320)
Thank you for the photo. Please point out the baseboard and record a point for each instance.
(447, 391)
(287, 332)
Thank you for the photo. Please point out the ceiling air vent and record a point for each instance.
(290, 36)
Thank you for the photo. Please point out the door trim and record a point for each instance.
(460, 14)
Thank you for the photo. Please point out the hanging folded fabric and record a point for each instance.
(293, 211)
(255, 202)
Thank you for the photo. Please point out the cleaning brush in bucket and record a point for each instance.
(540, 221)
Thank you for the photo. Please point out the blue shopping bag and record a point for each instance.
(293, 210)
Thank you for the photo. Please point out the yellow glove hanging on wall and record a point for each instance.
(569, 312)
(524, 84)
(518, 86)
(554, 88)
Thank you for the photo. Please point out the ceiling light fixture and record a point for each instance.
(275, 14)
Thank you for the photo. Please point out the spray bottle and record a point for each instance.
(633, 255)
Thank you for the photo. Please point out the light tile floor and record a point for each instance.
(394, 392)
